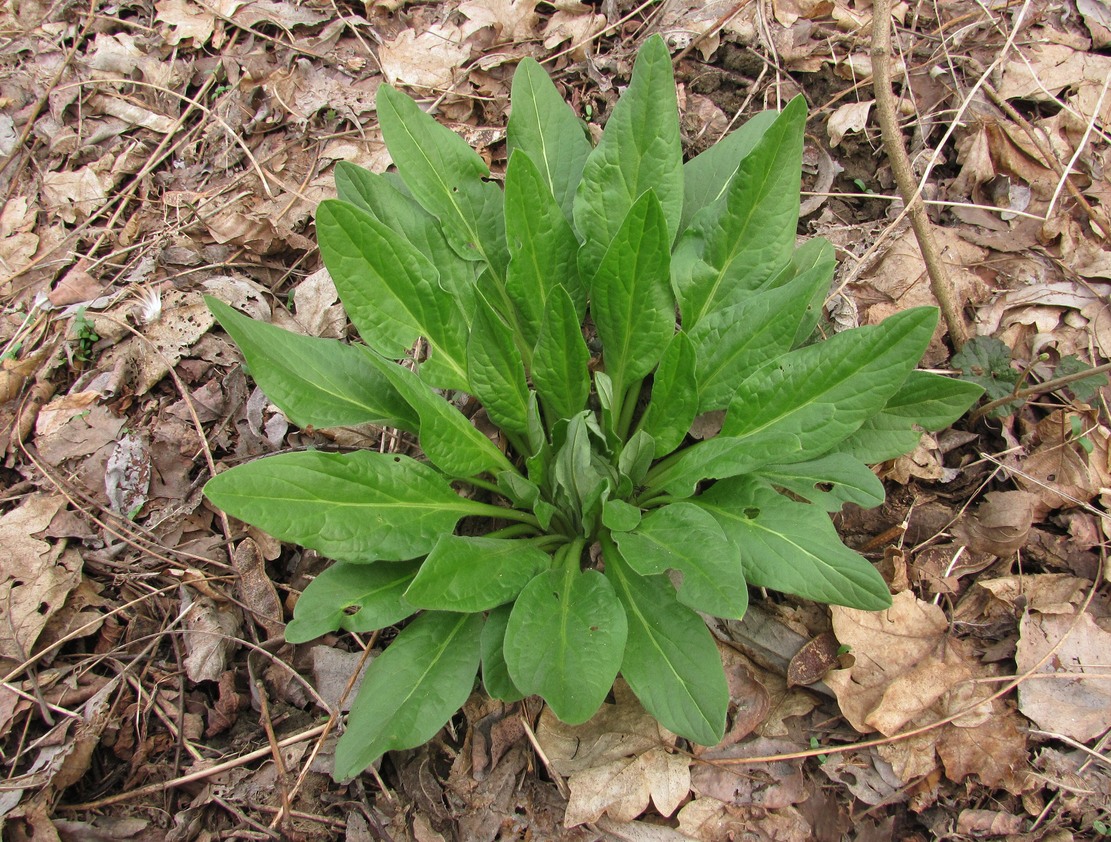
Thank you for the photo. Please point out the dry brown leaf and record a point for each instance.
(616, 763)
(867, 776)
(1044, 71)
(771, 786)
(74, 194)
(1057, 469)
(711, 820)
(1000, 524)
(576, 27)
(1066, 702)
(1046, 593)
(127, 475)
(852, 117)
(813, 660)
(425, 59)
(210, 631)
(185, 21)
(513, 21)
(994, 750)
(36, 575)
(256, 588)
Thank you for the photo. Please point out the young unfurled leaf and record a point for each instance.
(411, 689)
(639, 151)
(353, 597)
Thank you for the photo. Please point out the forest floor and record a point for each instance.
(157, 151)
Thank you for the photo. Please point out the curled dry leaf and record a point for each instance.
(210, 630)
(813, 660)
(848, 118)
(999, 525)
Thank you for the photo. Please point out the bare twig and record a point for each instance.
(940, 284)
(1041, 388)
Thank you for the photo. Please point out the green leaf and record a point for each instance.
(381, 197)
(733, 246)
(391, 291)
(717, 458)
(543, 249)
(544, 126)
(675, 396)
(560, 359)
(707, 175)
(330, 385)
(639, 151)
(495, 674)
(353, 597)
(671, 661)
(793, 547)
(630, 296)
(1086, 388)
(932, 401)
(849, 481)
(496, 371)
(475, 574)
(636, 457)
(448, 438)
(823, 392)
(619, 516)
(411, 690)
(447, 177)
(687, 539)
(986, 361)
(880, 438)
(358, 506)
(566, 638)
(732, 342)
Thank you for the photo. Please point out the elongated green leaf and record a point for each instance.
(630, 296)
(391, 291)
(543, 248)
(328, 383)
(448, 438)
(353, 597)
(495, 674)
(932, 401)
(358, 506)
(675, 395)
(793, 547)
(707, 175)
(815, 258)
(880, 438)
(545, 127)
(671, 661)
(716, 458)
(411, 690)
(849, 481)
(823, 392)
(639, 151)
(384, 198)
(566, 639)
(733, 246)
(732, 342)
(475, 574)
(636, 457)
(496, 371)
(447, 177)
(685, 538)
(560, 359)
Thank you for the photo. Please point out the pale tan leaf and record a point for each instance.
(425, 59)
(852, 117)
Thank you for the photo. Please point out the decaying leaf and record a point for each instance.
(1059, 698)
(210, 631)
(1000, 524)
(616, 763)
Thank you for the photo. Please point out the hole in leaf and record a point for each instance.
(824, 486)
(352, 610)
(752, 513)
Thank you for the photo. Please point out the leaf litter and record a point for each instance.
(183, 149)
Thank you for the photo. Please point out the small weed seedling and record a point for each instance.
(584, 540)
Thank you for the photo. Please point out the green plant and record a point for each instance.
(83, 332)
(549, 557)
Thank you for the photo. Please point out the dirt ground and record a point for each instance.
(157, 151)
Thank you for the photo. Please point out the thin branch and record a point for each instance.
(940, 283)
